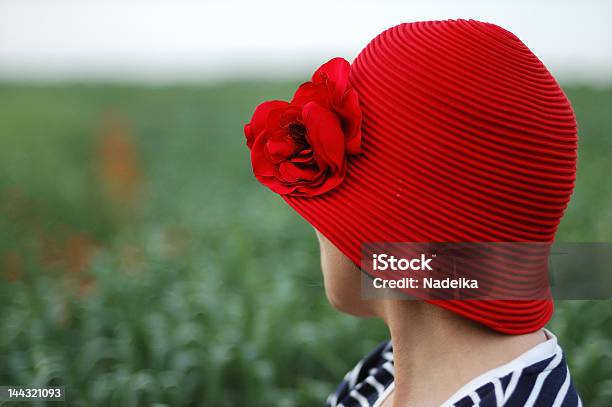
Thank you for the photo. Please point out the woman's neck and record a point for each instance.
(436, 352)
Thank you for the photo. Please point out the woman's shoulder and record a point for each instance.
(543, 383)
(539, 377)
(367, 381)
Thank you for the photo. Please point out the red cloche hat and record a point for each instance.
(440, 131)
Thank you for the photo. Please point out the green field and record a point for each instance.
(141, 263)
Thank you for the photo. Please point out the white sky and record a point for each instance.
(186, 40)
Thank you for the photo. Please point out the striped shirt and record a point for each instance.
(539, 378)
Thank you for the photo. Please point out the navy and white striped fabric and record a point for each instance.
(542, 382)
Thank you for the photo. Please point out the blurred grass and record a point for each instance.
(141, 263)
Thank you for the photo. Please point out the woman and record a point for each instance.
(440, 131)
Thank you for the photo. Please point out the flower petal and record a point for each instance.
(323, 184)
(262, 167)
(291, 114)
(276, 186)
(281, 147)
(311, 92)
(324, 134)
(334, 72)
(297, 173)
(259, 119)
(350, 115)
(304, 157)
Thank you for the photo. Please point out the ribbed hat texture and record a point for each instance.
(466, 137)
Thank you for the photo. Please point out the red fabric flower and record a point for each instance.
(300, 148)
